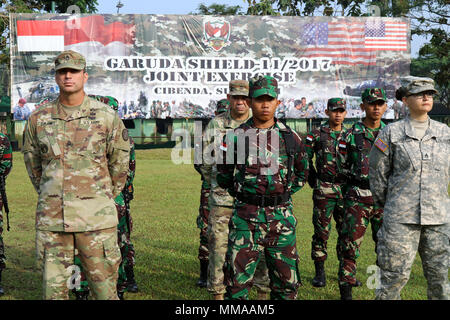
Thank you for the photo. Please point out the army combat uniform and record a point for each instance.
(263, 223)
(5, 168)
(203, 212)
(409, 176)
(220, 202)
(77, 161)
(327, 182)
(360, 208)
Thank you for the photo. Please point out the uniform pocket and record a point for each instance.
(111, 251)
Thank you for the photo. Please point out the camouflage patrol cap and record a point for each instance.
(415, 85)
(222, 106)
(110, 101)
(238, 88)
(263, 85)
(70, 59)
(336, 103)
(373, 94)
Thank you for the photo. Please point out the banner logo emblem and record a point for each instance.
(216, 33)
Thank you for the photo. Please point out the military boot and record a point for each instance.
(2, 292)
(346, 291)
(319, 280)
(81, 295)
(202, 281)
(131, 282)
(120, 295)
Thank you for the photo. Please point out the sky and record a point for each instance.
(187, 6)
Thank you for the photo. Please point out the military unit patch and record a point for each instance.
(125, 134)
(380, 144)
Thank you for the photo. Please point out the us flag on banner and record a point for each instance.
(353, 42)
(88, 35)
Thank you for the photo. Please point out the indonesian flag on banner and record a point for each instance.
(86, 35)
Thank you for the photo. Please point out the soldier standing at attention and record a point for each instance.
(360, 208)
(327, 183)
(409, 176)
(220, 202)
(76, 152)
(272, 166)
(5, 168)
(203, 213)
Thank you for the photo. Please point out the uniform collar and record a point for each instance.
(82, 112)
(229, 119)
(429, 133)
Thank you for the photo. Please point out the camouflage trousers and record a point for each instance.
(397, 247)
(357, 217)
(99, 255)
(202, 224)
(218, 221)
(2, 245)
(126, 252)
(325, 207)
(273, 239)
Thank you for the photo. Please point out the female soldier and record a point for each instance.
(409, 176)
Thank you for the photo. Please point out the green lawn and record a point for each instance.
(166, 238)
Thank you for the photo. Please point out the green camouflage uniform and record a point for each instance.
(409, 177)
(78, 164)
(5, 168)
(220, 202)
(328, 187)
(360, 208)
(262, 223)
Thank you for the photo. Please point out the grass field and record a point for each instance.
(166, 238)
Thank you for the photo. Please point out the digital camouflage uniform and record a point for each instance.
(125, 225)
(409, 176)
(360, 208)
(220, 202)
(263, 223)
(328, 183)
(5, 168)
(78, 164)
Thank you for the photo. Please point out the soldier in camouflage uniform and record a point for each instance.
(262, 177)
(360, 208)
(203, 213)
(126, 281)
(327, 183)
(409, 176)
(220, 202)
(5, 168)
(76, 151)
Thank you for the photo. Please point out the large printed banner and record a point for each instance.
(179, 66)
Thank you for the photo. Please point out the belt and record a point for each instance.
(263, 200)
(362, 184)
(331, 179)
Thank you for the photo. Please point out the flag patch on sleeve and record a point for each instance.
(223, 147)
(380, 144)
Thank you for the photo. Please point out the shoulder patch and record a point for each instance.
(125, 134)
(380, 144)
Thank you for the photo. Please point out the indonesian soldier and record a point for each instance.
(203, 213)
(76, 152)
(360, 208)
(5, 168)
(327, 181)
(220, 202)
(262, 175)
(409, 176)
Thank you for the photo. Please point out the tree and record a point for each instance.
(219, 10)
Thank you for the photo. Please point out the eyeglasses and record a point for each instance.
(421, 95)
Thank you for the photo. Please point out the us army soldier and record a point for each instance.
(76, 152)
(409, 176)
